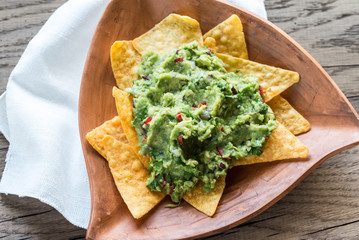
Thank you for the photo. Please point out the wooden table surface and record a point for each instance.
(325, 205)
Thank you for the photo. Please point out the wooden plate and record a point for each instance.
(250, 189)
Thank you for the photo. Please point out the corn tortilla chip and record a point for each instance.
(124, 109)
(281, 145)
(113, 128)
(273, 80)
(288, 116)
(206, 202)
(171, 33)
(125, 61)
(229, 37)
(130, 177)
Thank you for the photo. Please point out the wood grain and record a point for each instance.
(324, 205)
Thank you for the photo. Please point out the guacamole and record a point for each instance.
(193, 118)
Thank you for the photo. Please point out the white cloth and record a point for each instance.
(255, 6)
(39, 111)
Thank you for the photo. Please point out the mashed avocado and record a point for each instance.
(194, 119)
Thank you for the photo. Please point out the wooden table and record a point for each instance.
(324, 205)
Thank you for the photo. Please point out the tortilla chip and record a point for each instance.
(206, 202)
(124, 109)
(125, 61)
(171, 33)
(229, 37)
(130, 177)
(210, 42)
(288, 116)
(113, 128)
(281, 145)
(273, 80)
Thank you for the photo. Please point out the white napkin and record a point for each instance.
(38, 111)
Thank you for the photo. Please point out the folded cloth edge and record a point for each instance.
(4, 125)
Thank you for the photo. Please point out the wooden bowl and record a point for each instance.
(250, 189)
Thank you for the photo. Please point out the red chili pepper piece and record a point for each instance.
(262, 92)
(260, 89)
(180, 140)
(164, 183)
(220, 151)
(172, 188)
(179, 117)
(177, 60)
(221, 128)
(200, 105)
(147, 120)
(204, 103)
(266, 138)
(211, 50)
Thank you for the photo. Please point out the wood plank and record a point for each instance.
(327, 29)
(347, 78)
(19, 22)
(33, 220)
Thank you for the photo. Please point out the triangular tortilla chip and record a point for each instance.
(124, 109)
(273, 80)
(229, 37)
(281, 145)
(130, 177)
(206, 202)
(125, 61)
(113, 128)
(171, 33)
(288, 116)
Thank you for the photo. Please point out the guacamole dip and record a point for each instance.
(193, 118)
